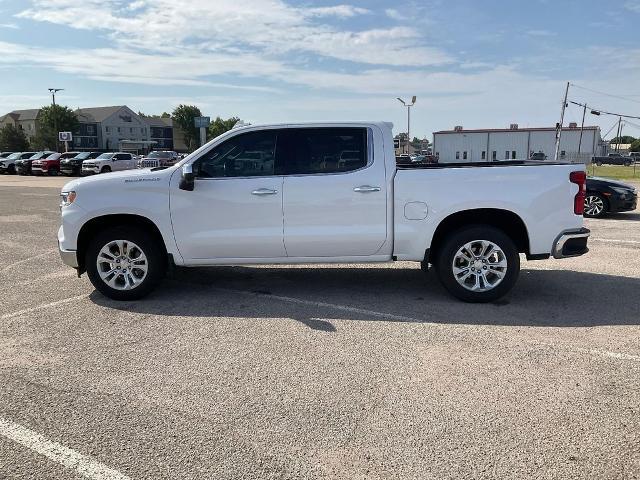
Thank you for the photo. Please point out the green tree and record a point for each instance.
(51, 120)
(165, 115)
(183, 116)
(220, 126)
(13, 139)
(635, 146)
(623, 139)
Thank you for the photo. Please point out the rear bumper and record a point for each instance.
(571, 243)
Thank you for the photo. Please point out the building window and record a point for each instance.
(457, 155)
(118, 129)
(513, 155)
(484, 155)
(90, 129)
(506, 155)
(494, 155)
(563, 153)
(108, 129)
(131, 129)
(464, 155)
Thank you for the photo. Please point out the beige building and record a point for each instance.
(25, 120)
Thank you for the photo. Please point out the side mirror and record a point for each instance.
(188, 180)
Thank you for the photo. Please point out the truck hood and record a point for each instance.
(126, 177)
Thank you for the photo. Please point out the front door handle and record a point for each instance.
(366, 189)
(264, 191)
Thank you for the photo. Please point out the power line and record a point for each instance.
(600, 111)
(621, 97)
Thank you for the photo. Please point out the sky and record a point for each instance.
(477, 64)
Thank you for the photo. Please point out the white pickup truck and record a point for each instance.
(280, 194)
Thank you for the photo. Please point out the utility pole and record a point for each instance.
(584, 112)
(408, 105)
(559, 127)
(618, 133)
(55, 114)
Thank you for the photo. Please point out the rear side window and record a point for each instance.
(322, 150)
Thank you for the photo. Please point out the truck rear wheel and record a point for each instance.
(125, 263)
(478, 264)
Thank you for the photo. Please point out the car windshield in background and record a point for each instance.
(14, 156)
(159, 155)
(82, 156)
(54, 156)
(105, 156)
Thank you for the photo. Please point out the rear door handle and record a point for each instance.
(264, 191)
(366, 189)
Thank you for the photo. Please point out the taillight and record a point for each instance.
(579, 178)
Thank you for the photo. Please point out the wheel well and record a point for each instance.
(97, 224)
(510, 223)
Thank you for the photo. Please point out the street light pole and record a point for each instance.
(584, 112)
(55, 115)
(408, 105)
(559, 128)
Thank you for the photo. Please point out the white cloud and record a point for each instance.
(633, 6)
(541, 33)
(395, 14)
(12, 26)
(341, 11)
(271, 27)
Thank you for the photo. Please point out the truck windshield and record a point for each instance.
(105, 156)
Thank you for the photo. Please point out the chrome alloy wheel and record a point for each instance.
(122, 265)
(479, 265)
(593, 205)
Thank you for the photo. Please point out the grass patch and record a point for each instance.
(615, 171)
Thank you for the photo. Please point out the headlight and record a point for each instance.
(622, 191)
(67, 198)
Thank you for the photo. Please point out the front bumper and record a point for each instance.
(622, 203)
(571, 243)
(38, 171)
(69, 257)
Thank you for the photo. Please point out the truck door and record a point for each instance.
(235, 209)
(334, 201)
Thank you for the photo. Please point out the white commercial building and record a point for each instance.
(514, 143)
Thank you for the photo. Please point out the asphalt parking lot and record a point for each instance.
(315, 372)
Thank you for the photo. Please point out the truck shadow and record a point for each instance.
(316, 296)
(627, 216)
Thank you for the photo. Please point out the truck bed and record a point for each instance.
(505, 163)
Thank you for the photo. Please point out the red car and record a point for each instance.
(50, 165)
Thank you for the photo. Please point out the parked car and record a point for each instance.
(612, 159)
(158, 159)
(608, 196)
(23, 166)
(108, 162)
(50, 165)
(403, 159)
(635, 156)
(73, 165)
(8, 165)
(5, 154)
(125, 228)
(538, 156)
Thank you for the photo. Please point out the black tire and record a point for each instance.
(595, 214)
(105, 170)
(446, 255)
(11, 170)
(598, 163)
(627, 164)
(156, 261)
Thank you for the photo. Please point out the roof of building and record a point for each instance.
(157, 121)
(29, 114)
(97, 114)
(519, 129)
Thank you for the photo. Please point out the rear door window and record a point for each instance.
(308, 151)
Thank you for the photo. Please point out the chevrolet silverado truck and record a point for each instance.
(284, 194)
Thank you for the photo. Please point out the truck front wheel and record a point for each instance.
(125, 263)
(478, 264)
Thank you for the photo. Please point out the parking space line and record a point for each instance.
(42, 307)
(20, 262)
(83, 464)
(613, 240)
(616, 355)
(344, 308)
